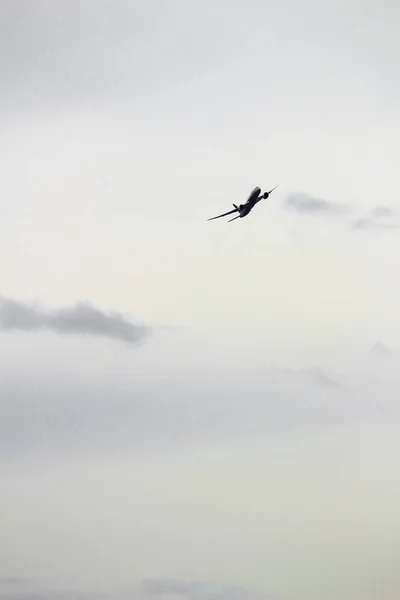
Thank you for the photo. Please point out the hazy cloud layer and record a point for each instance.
(38, 416)
(310, 205)
(81, 319)
(197, 590)
(157, 430)
(17, 589)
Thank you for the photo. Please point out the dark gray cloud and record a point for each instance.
(310, 205)
(81, 319)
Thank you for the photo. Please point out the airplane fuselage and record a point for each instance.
(254, 197)
(244, 209)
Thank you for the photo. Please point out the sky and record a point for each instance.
(199, 410)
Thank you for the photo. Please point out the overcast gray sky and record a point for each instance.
(186, 403)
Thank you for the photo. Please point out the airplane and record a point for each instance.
(244, 209)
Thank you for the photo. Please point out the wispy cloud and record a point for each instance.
(321, 379)
(315, 376)
(311, 205)
(82, 319)
(372, 224)
(379, 218)
(373, 220)
(382, 351)
(382, 211)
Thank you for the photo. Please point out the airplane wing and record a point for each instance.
(224, 215)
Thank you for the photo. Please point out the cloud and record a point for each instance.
(381, 350)
(42, 416)
(197, 590)
(362, 224)
(321, 379)
(383, 211)
(372, 224)
(15, 582)
(310, 205)
(104, 52)
(61, 55)
(315, 376)
(81, 319)
(372, 220)
(147, 590)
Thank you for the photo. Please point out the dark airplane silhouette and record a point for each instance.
(244, 209)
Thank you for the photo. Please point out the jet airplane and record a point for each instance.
(244, 209)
